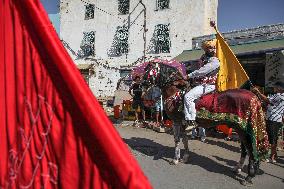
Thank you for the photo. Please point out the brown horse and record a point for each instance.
(239, 109)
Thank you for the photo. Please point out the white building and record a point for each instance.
(112, 31)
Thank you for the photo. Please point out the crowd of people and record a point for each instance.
(138, 94)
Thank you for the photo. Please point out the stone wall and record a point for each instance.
(102, 79)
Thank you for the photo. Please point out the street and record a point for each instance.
(210, 164)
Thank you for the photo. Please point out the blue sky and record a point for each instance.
(240, 14)
(232, 14)
(51, 6)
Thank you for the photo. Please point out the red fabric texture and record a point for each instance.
(235, 101)
(53, 132)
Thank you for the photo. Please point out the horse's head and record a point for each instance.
(168, 78)
(171, 79)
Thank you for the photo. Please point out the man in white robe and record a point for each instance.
(203, 80)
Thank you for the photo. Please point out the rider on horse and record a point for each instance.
(203, 80)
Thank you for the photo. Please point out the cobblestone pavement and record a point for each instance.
(210, 163)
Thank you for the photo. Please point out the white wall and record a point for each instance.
(187, 19)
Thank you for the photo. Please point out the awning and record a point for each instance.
(241, 49)
(84, 66)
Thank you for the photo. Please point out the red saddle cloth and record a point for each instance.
(241, 107)
(234, 101)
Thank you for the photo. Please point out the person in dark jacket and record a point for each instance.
(136, 91)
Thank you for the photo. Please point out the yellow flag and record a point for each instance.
(231, 74)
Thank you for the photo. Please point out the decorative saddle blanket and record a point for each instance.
(237, 106)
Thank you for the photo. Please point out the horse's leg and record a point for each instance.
(186, 148)
(177, 135)
(239, 166)
(253, 167)
(251, 172)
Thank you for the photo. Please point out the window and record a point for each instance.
(162, 39)
(89, 11)
(88, 44)
(123, 6)
(163, 4)
(122, 36)
(124, 73)
(120, 42)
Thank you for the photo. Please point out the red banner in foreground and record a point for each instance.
(53, 132)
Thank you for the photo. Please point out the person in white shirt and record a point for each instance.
(275, 117)
(203, 81)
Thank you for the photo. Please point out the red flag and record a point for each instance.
(53, 132)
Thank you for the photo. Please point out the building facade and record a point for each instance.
(121, 33)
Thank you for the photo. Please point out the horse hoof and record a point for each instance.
(237, 170)
(174, 162)
(185, 158)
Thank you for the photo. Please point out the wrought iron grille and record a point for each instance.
(162, 38)
(120, 42)
(88, 44)
(123, 6)
(121, 36)
(89, 11)
(163, 4)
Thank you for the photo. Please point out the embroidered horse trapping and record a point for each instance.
(237, 106)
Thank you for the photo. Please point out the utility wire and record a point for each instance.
(123, 20)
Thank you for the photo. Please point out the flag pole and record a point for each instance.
(252, 87)
(213, 24)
